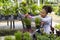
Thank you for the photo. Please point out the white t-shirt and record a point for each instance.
(47, 24)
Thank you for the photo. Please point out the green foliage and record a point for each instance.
(27, 21)
(46, 2)
(34, 9)
(8, 8)
(1, 8)
(37, 21)
(58, 38)
(57, 26)
(52, 36)
(8, 38)
(58, 12)
(24, 9)
(29, 2)
(27, 36)
(55, 9)
(18, 35)
(41, 37)
(1, 4)
(30, 6)
(45, 36)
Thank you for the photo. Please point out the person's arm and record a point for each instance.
(47, 21)
(32, 17)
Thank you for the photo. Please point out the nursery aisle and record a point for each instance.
(18, 24)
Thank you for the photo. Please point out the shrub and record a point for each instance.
(18, 35)
(42, 38)
(37, 21)
(27, 21)
(58, 38)
(55, 9)
(8, 38)
(57, 26)
(27, 36)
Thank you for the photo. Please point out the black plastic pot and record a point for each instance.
(28, 26)
(37, 26)
(31, 14)
(7, 32)
(1, 16)
(58, 33)
(6, 17)
(15, 16)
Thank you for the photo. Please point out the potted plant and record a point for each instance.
(37, 22)
(58, 38)
(1, 10)
(18, 35)
(15, 11)
(8, 38)
(58, 11)
(27, 22)
(42, 37)
(27, 36)
(13, 14)
(7, 6)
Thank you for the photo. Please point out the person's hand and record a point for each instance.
(42, 29)
(26, 15)
(42, 23)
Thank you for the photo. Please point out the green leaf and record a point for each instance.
(27, 21)
(18, 35)
(27, 36)
(37, 21)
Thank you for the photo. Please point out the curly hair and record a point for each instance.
(47, 8)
